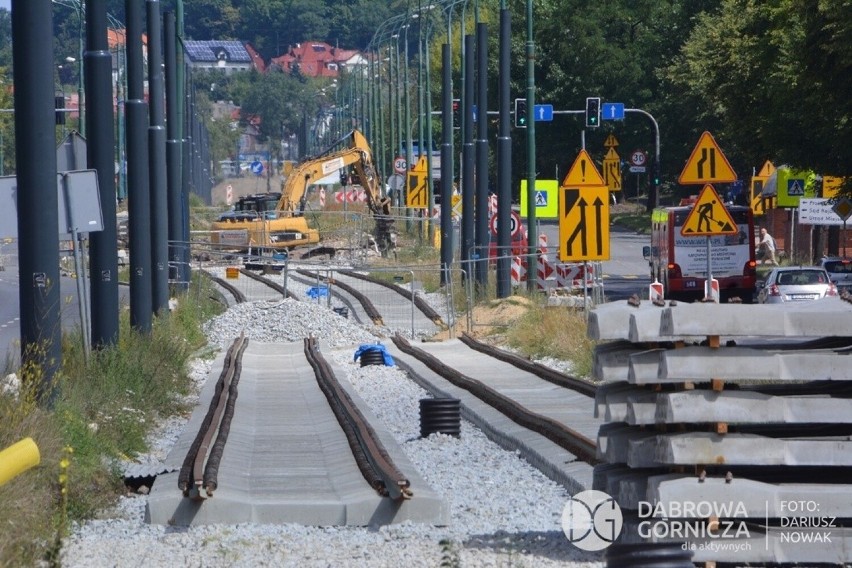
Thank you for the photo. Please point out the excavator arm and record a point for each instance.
(357, 156)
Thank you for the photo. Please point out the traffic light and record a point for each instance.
(593, 112)
(520, 113)
(655, 174)
(456, 113)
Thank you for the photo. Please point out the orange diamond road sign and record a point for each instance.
(583, 173)
(707, 164)
(708, 217)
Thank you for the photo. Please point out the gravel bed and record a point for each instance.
(509, 517)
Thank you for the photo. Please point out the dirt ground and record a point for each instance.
(492, 319)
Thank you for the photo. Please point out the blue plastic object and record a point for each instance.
(373, 348)
(316, 292)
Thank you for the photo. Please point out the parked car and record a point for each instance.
(795, 284)
(839, 270)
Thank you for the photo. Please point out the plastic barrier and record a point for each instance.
(18, 458)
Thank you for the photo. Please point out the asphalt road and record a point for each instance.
(626, 272)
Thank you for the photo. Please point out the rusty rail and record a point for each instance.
(201, 465)
(372, 458)
(581, 446)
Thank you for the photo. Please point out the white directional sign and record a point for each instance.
(820, 211)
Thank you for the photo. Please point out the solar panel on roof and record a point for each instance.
(206, 50)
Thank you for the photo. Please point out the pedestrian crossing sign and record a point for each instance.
(541, 199)
(709, 216)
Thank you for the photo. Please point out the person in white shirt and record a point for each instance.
(766, 245)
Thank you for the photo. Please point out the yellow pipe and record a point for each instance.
(18, 458)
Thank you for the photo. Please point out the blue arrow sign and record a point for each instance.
(612, 111)
(543, 113)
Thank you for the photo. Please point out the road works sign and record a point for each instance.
(612, 170)
(583, 213)
(417, 196)
(708, 217)
(583, 173)
(584, 223)
(760, 204)
(707, 164)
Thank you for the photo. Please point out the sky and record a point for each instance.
(6, 4)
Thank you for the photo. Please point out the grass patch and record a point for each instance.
(553, 331)
(631, 216)
(107, 405)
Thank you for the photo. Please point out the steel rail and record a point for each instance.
(372, 458)
(274, 285)
(235, 292)
(193, 477)
(546, 373)
(421, 304)
(365, 302)
(578, 444)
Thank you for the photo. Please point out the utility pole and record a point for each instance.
(532, 235)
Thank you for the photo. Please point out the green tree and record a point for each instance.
(773, 81)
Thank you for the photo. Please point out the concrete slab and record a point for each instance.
(621, 401)
(611, 361)
(733, 449)
(612, 319)
(702, 364)
(287, 460)
(615, 440)
(644, 367)
(760, 547)
(745, 407)
(759, 499)
(829, 317)
(609, 404)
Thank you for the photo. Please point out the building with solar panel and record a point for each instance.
(228, 56)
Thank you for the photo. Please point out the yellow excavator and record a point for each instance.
(276, 221)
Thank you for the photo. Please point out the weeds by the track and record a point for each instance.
(105, 408)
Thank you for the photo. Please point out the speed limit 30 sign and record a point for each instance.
(638, 158)
(400, 165)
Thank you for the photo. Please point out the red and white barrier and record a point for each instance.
(655, 291)
(351, 196)
(544, 268)
(518, 271)
(573, 276)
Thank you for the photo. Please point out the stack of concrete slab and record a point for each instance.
(728, 427)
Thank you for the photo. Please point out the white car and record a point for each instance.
(795, 284)
(839, 270)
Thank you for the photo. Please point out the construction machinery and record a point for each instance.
(276, 221)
